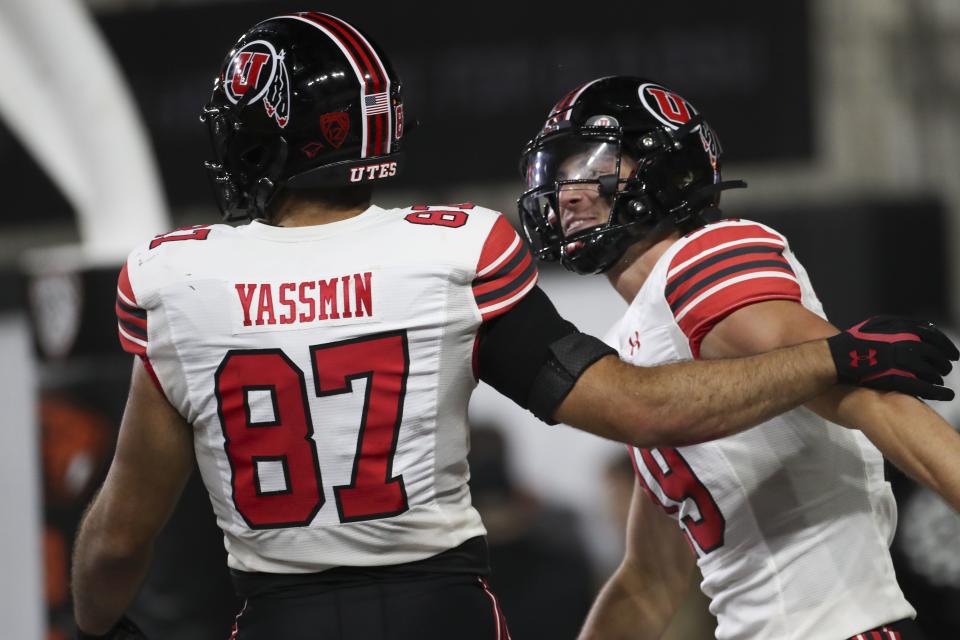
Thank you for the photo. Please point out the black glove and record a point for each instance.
(125, 629)
(895, 354)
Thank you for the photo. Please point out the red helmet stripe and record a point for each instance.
(566, 100)
(351, 58)
(560, 106)
(371, 74)
(378, 138)
(576, 93)
(377, 72)
(378, 65)
(371, 77)
(375, 68)
(368, 79)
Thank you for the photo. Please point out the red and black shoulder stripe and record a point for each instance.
(132, 324)
(131, 317)
(722, 268)
(505, 271)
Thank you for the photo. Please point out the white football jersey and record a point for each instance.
(326, 372)
(791, 521)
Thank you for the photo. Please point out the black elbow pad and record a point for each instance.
(570, 356)
(533, 356)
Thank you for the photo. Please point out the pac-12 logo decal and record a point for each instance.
(258, 73)
(335, 126)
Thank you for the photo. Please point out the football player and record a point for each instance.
(318, 361)
(789, 522)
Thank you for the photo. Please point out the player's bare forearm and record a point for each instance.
(619, 614)
(641, 597)
(628, 608)
(907, 432)
(153, 460)
(108, 568)
(691, 402)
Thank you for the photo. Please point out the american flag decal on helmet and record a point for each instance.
(377, 103)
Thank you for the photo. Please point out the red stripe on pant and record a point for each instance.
(880, 633)
(235, 630)
(503, 633)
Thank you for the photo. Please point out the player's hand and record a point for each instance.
(125, 629)
(895, 354)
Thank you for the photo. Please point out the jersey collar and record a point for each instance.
(261, 229)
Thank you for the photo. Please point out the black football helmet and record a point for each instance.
(636, 145)
(304, 99)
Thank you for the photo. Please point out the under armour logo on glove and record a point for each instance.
(870, 357)
(895, 354)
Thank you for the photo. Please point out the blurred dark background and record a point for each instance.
(480, 79)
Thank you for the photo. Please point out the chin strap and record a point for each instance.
(685, 129)
(266, 187)
(708, 192)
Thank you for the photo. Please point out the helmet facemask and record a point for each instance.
(585, 200)
(624, 182)
(665, 173)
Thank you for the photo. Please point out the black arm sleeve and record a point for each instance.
(533, 356)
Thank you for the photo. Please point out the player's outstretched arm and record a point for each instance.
(641, 597)
(152, 463)
(540, 361)
(908, 432)
(691, 402)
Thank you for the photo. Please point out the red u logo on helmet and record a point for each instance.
(672, 107)
(245, 71)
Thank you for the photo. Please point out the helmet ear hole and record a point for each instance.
(254, 156)
(685, 179)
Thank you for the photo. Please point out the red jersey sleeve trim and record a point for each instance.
(696, 332)
(499, 245)
(725, 269)
(131, 318)
(505, 271)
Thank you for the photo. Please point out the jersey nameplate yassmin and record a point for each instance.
(329, 300)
